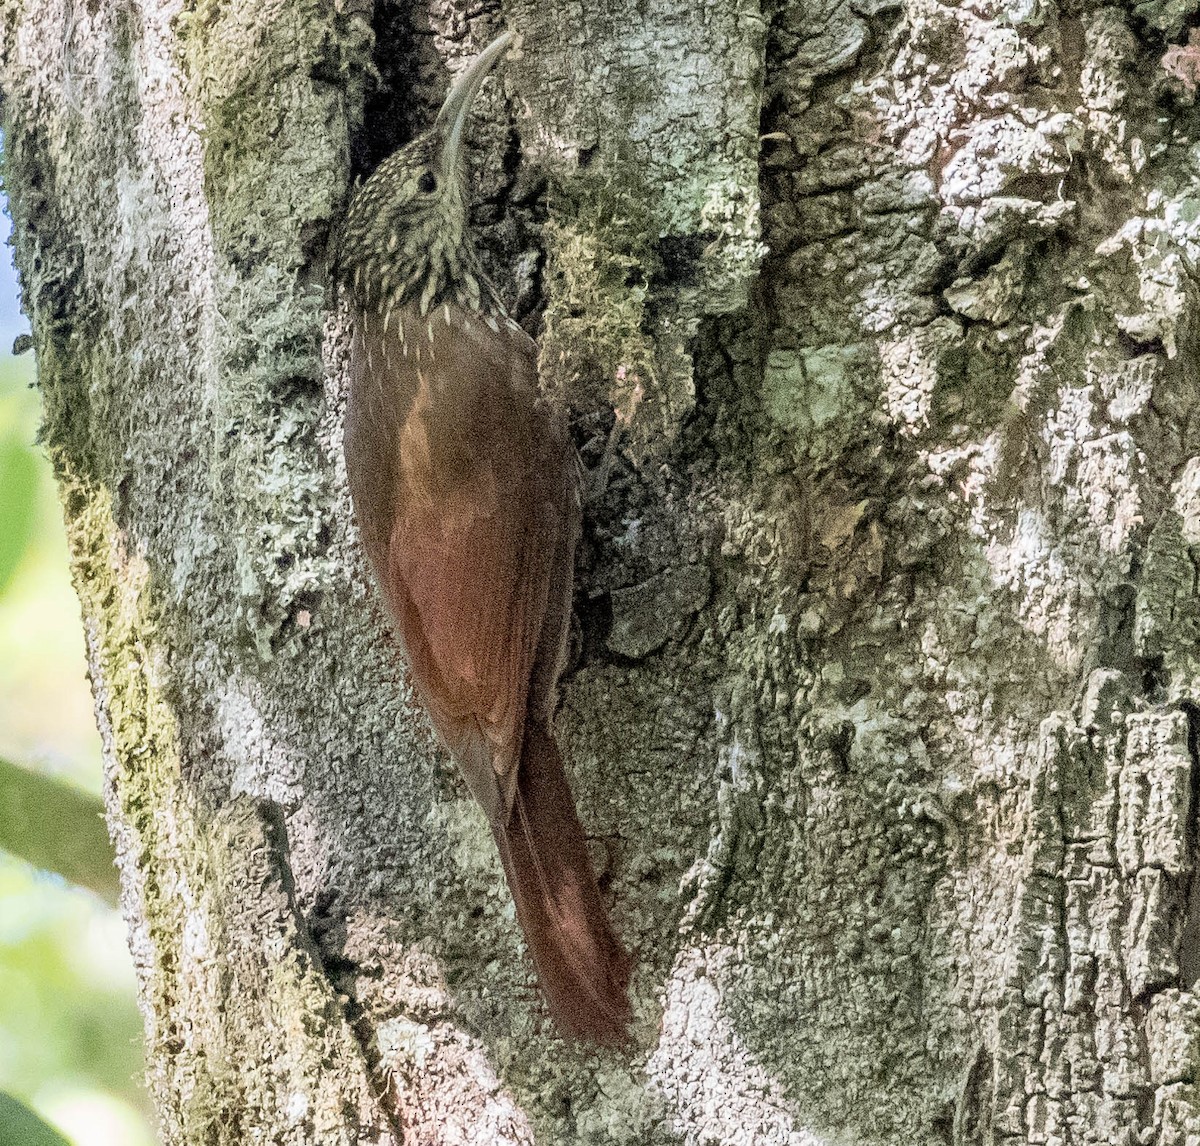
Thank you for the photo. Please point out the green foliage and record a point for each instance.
(19, 1126)
(18, 505)
(66, 983)
(18, 482)
(56, 827)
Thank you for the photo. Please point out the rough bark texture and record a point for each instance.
(884, 712)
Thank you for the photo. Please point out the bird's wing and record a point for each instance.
(480, 530)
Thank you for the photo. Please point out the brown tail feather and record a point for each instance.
(582, 966)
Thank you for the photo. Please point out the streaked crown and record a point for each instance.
(405, 240)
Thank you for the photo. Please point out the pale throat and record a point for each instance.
(419, 257)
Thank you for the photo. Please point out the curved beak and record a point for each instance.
(452, 118)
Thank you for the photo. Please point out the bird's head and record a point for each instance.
(405, 238)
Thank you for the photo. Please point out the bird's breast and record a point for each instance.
(454, 396)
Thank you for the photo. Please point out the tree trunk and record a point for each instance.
(883, 713)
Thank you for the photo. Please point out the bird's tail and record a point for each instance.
(582, 966)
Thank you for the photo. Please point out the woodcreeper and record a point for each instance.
(465, 486)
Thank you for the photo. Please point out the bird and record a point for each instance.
(465, 486)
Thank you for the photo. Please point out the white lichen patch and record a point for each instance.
(966, 470)
(195, 946)
(261, 765)
(994, 152)
(1165, 295)
(1186, 492)
(1181, 212)
(1097, 471)
(708, 1078)
(729, 211)
(1103, 88)
(1027, 563)
(1173, 1030)
(910, 369)
(1129, 386)
(880, 305)
(684, 85)
(1154, 795)
(996, 54)
(403, 1040)
(295, 1107)
(908, 379)
(468, 1104)
(1106, 488)
(471, 843)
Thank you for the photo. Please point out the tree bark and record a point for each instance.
(883, 716)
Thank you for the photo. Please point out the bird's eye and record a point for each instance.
(427, 184)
